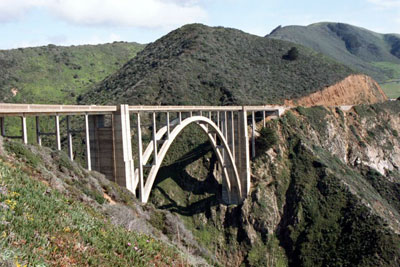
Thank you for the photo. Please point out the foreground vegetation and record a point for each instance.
(41, 224)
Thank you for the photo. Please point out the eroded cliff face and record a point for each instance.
(364, 135)
(326, 191)
(353, 90)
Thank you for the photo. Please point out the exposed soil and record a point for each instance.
(353, 90)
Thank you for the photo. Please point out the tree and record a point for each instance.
(267, 139)
(292, 54)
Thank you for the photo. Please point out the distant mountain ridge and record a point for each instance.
(375, 54)
(58, 74)
(201, 65)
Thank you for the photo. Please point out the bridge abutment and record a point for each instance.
(124, 172)
(111, 148)
(101, 146)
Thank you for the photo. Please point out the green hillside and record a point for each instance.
(199, 65)
(375, 54)
(57, 74)
(55, 213)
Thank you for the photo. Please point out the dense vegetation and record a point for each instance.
(56, 74)
(377, 55)
(201, 65)
(327, 225)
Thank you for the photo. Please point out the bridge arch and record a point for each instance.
(225, 157)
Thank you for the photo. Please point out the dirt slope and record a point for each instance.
(353, 90)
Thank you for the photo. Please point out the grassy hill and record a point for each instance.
(375, 54)
(57, 74)
(201, 65)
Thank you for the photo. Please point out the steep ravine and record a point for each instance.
(325, 193)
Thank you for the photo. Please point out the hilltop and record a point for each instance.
(201, 65)
(375, 54)
(58, 74)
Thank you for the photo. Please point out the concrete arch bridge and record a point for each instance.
(109, 136)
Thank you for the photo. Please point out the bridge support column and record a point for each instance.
(3, 127)
(38, 137)
(242, 152)
(87, 138)
(232, 195)
(101, 146)
(236, 132)
(69, 137)
(23, 130)
(124, 172)
(57, 126)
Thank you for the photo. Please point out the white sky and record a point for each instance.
(65, 22)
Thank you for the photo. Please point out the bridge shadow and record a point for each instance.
(192, 186)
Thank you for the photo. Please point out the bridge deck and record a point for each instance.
(39, 109)
(203, 108)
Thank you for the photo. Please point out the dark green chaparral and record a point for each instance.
(201, 65)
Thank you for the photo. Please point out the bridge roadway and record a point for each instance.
(110, 140)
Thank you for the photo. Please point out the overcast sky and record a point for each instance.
(66, 22)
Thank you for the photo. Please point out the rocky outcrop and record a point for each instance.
(353, 90)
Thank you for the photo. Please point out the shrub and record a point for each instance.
(316, 117)
(268, 138)
(292, 54)
(354, 131)
(22, 152)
